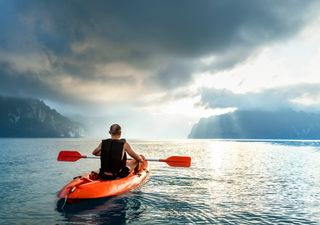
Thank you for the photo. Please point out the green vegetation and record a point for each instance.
(33, 118)
(284, 124)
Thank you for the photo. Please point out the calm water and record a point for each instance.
(230, 182)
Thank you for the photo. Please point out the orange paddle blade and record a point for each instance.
(69, 156)
(178, 161)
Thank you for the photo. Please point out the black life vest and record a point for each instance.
(112, 157)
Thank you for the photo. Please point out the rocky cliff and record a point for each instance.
(285, 124)
(33, 118)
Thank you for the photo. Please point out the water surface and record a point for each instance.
(230, 182)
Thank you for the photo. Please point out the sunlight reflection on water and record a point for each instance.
(235, 182)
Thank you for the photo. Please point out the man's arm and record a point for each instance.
(132, 153)
(97, 151)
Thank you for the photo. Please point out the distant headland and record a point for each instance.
(22, 117)
(283, 124)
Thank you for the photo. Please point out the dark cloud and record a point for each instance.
(174, 74)
(268, 99)
(164, 39)
(24, 84)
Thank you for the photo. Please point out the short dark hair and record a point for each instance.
(115, 129)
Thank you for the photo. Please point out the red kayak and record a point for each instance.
(83, 187)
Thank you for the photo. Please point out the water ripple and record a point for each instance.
(230, 182)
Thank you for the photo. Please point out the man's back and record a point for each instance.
(113, 157)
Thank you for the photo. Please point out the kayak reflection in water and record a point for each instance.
(113, 157)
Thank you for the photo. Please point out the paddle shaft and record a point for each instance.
(176, 161)
(150, 160)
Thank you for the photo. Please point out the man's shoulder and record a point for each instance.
(126, 144)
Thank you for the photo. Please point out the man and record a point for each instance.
(113, 155)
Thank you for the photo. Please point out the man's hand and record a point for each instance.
(143, 158)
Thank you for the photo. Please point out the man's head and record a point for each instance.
(115, 130)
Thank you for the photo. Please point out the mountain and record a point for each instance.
(21, 117)
(284, 124)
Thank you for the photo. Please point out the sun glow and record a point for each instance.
(273, 66)
(307, 100)
(187, 107)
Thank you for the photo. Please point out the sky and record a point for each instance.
(157, 67)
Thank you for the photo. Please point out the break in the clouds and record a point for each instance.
(299, 96)
(90, 50)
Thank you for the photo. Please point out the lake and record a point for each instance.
(229, 182)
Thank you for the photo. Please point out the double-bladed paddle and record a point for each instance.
(175, 161)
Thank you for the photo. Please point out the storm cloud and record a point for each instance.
(142, 45)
